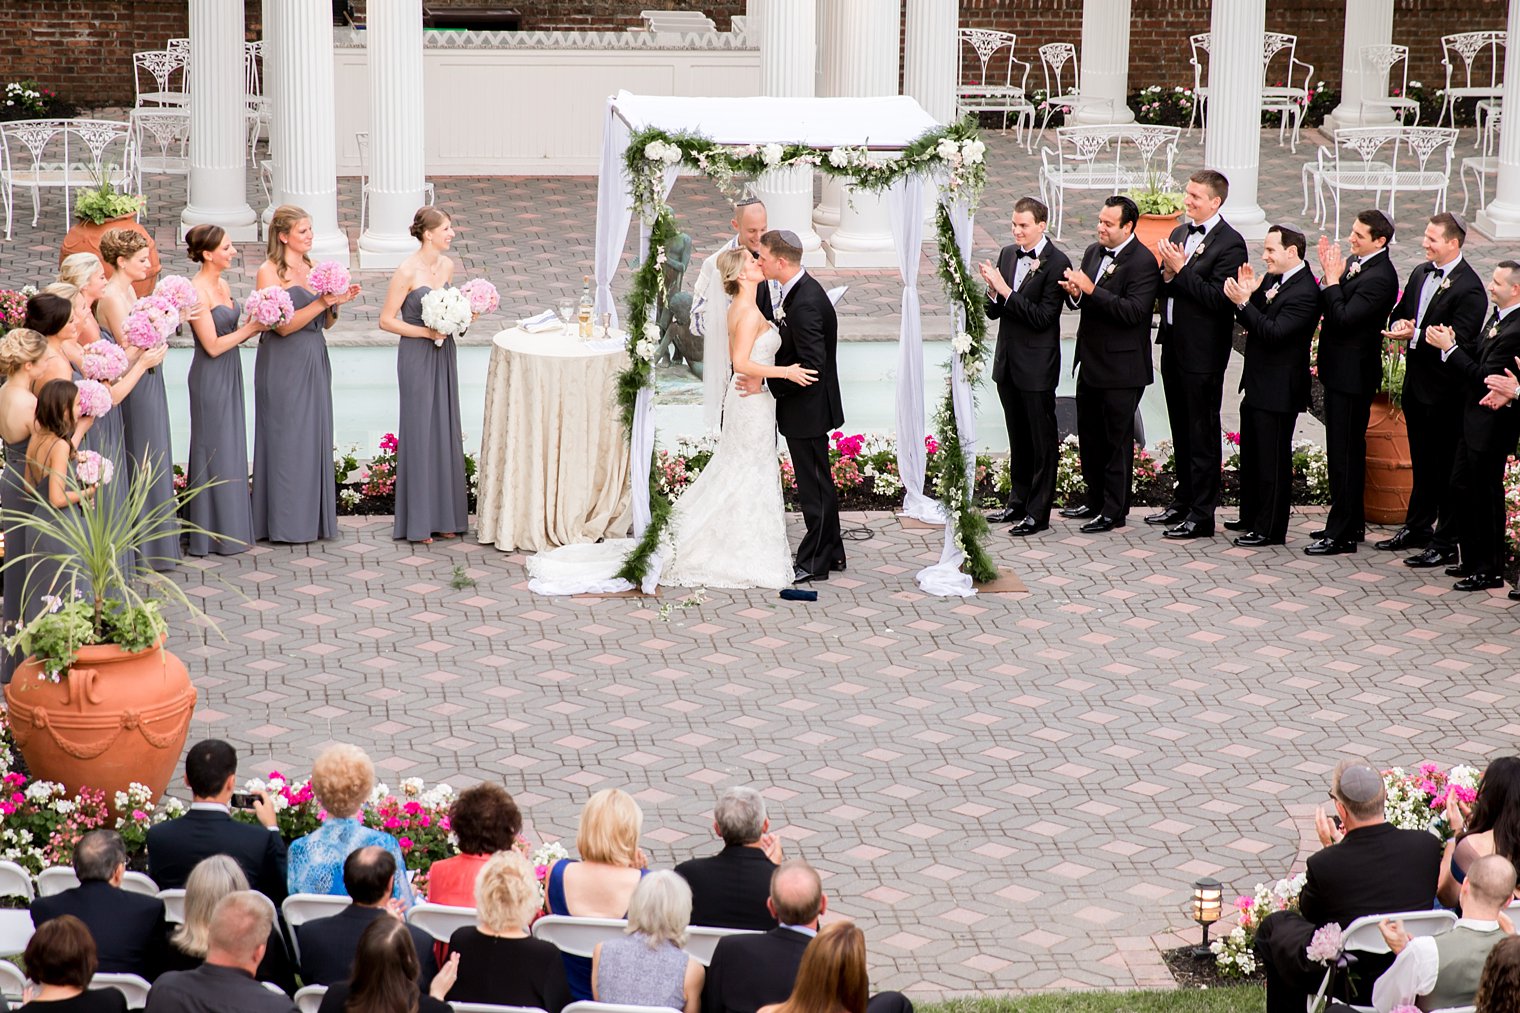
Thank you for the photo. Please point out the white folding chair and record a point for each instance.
(54, 880)
(309, 999)
(614, 1007)
(440, 920)
(129, 985)
(1379, 79)
(578, 936)
(174, 905)
(12, 981)
(300, 908)
(1364, 936)
(488, 1007)
(15, 930)
(15, 882)
(139, 882)
(702, 940)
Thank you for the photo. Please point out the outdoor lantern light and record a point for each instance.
(1207, 894)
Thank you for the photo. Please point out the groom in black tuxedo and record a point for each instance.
(805, 415)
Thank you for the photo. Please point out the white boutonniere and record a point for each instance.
(1493, 331)
(1271, 293)
(1354, 269)
(1108, 269)
(1034, 265)
(780, 312)
(1199, 251)
(1445, 284)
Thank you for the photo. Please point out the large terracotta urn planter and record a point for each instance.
(113, 718)
(84, 237)
(1390, 471)
(1151, 229)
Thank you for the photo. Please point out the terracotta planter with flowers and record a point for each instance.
(99, 211)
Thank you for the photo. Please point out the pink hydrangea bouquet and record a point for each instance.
(482, 295)
(139, 331)
(103, 360)
(178, 290)
(328, 278)
(93, 399)
(92, 469)
(269, 306)
(161, 311)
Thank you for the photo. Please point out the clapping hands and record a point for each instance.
(1400, 330)
(1332, 263)
(1240, 288)
(1502, 389)
(1076, 283)
(1173, 256)
(1441, 336)
(994, 278)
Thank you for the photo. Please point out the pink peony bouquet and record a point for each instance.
(103, 360)
(92, 469)
(94, 399)
(178, 290)
(269, 306)
(139, 331)
(328, 278)
(161, 311)
(482, 295)
(1326, 946)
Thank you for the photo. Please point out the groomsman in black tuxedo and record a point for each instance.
(1279, 312)
(1490, 429)
(1444, 290)
(1197, 324)
(1115, 292)
(1356, 294)
(1024, 296)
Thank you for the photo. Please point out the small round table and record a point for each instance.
(553, 455)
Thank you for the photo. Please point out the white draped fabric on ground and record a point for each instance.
(884, 125)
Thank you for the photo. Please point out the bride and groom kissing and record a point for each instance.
(728, 529)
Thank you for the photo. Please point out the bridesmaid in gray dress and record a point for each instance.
(295, 496)
(49, 467)
(144, 414)
(24, 357)
(218, 430)
(430, 485)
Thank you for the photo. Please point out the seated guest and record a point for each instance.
(225, 983)
(832, 975)
(1371, 868)
(753, 970)
(343, 778)
(1490, 826)
(486, 820)
(385, 978)
(327, 945)
(499, 962)
(176, 846)
(60, 959)
(648, 967)
(212, 879)
(601, 883)
(1437, 972)
(1499, 986)
(128, 928)
(729, 889)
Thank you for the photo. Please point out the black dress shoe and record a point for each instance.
(1431, 558)
(1027, 526)
(1099, 524)
(1168, 517)
(801, 576)
(1478, 582)
(837, 566)
(1458, 571)
(1239, 525)
(1078, 513)
(1329, 547)
(1361, 534)
(1404, 539)
(1514, 595)
(1187, 530)
(1007, 515)
(1252, 540)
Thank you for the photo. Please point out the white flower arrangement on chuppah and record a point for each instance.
(447, 311)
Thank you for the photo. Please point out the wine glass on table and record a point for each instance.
(566, 312)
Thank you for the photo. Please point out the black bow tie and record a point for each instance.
(1438, 272)
(1195, 228)
(1111, 253)
(1024, 253)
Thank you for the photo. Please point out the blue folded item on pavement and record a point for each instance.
(798, 594)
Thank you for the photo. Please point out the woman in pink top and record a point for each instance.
(486, 820)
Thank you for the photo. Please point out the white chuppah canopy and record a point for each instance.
(883, 124)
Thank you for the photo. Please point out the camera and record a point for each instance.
(243, 799)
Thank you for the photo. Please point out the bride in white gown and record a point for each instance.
(729, 527)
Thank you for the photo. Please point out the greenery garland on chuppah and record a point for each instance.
(952, 155)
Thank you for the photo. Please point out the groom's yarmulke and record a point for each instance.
(789, 237)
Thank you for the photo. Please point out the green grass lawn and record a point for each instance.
(1235, 999)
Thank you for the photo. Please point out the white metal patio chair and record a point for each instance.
(1379, 159)
(1471, 50)
(987, 93)
(361, 140)
(1290, 99)
(162, 139)
(169, 74)
(62, 154)
(1106, 159)
(1388, 88)
(1199, 44)
(1480, 167)
(1061, 92)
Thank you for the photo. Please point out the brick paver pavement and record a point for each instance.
(1008, 792)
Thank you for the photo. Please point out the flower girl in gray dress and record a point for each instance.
(430, 484)
(218, 427)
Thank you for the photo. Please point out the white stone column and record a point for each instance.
(270, 23)
(1105, 61)
(218, 183)
(1368, 23)
(865, 43)
(1233, 142)
(788, 56)
(393, 51)
(1501, 218)
(308, 129)
(929, 65)
(833, 39)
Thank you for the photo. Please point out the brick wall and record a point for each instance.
(83, 48)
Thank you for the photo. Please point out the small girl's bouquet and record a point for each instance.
(270, 307)
(328, 278)
(482, 295)
(94, 399)
(92, 469)
(447, 311)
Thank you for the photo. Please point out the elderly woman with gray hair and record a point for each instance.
(729, 889)
(648, 967)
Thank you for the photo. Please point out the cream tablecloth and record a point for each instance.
(553, 457)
